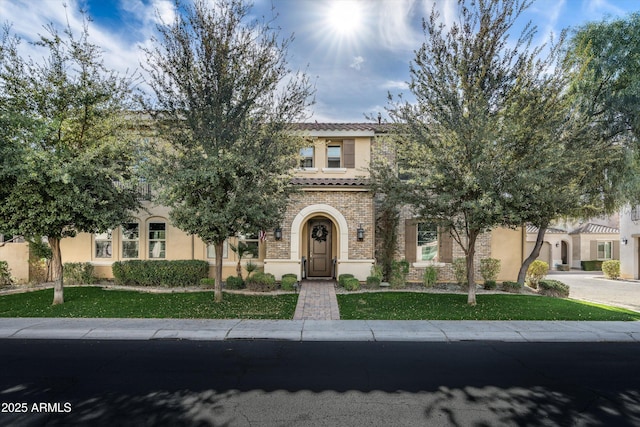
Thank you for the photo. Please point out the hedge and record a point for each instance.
(261, 282)
(287, 282)
(591, 265)
(611, 268)
(160, 273)
(78, 273)
(553, 288)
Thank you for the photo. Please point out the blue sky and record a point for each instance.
(356, 51)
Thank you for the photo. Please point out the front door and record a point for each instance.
(319, 248)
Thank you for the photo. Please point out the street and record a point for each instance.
(280, 383)
(594, 287)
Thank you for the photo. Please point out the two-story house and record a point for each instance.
(328, 228)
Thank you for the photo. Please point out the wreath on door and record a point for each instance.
(319, 233)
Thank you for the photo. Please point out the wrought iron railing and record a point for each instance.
(303, 268)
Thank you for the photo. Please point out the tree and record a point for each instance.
(241, 250)
(69, 160)
(224, 104)
(481, 107)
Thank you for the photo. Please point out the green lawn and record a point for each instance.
(96, 302)
(425, 306)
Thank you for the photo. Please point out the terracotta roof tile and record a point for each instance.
(534, 229)
(361, 127)
(591, 228)
(355, 182)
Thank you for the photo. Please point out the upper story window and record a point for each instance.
(251, 240)
(103, 244)
(306, 157)
(157, 240)
(427, 244)
(334, 156)
(130, 239)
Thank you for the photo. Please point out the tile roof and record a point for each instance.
(360, 127)
(355, 182)
(591, 228)
(534, 229)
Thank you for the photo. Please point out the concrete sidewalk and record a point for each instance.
(319, 330)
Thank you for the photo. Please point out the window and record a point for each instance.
(251, 240)
(306, 155)
(334, 156)
(211, 250)
(130, 239)
(157, 240)
(604, 250)
(427, 242)
(104, 244)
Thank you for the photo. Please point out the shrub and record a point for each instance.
(208, 282)
(377, 271)
(399, 272)
(459, 266)
(343, 277)
(250, 266)
(430, 277)
(611, 268)
(5, 274)
(593, 265)
(351, 284)
(489, 269)
(78, 273)
(512, 287)
(553, 288)
(490, 285)
(287, 282)
(160, 273)
(234, 282)
(536, 272)
(373, 281)
(261, 282)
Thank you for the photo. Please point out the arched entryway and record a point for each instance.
(320, 247)
(564, 252)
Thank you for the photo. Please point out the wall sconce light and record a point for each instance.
(557, 244)
(360, 233)
(624, 241)
(277, 233)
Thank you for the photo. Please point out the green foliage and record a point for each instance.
(611, 268)
(5, 274)
(373, 281)
(287, 282)
(553, 288)
(241, 251)
(343, 277)
(512, 287)
(250, 266)
(39, 249)
(490, 285)
(489, 269)
(377, 271)
(261, 282)
(351, 284)
(78, 273)
(593, 265)
(430, 277)
(207, 282)
(536, 272)
(160, 272)
(225, 100)
(459, 266)
(399, 272)
(234, 282)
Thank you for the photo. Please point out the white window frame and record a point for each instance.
(249, 240)
(211, 250)
(340, 160)
(107, 251)
(604, 244)
(157, 245)
(125, 239)
(422, 236)
(305, 156)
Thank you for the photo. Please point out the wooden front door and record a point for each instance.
(319, 248)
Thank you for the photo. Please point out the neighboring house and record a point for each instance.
(556, 249)
(594, 242)
(328, 228)
(630, 242)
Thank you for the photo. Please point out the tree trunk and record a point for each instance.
(218, 284)
(471, 277)
(56, 270)
(534, 253)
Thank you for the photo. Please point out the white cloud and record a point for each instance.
(600, 7)
(357, 63)
(395, 85)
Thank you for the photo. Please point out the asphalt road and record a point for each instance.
(280, 383)
(594, 287)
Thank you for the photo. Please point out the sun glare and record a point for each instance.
(344, 17)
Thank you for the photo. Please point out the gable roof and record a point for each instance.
(591, 228)
(353, 182)
(533, 229)
(341, 129)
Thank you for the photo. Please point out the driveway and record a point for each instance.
(592, 286)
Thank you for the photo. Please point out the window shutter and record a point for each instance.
(410, 240)
(445, 251)
(593, 250)
(349, 146)
(615, 251)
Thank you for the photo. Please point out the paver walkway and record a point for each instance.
(317, 301)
